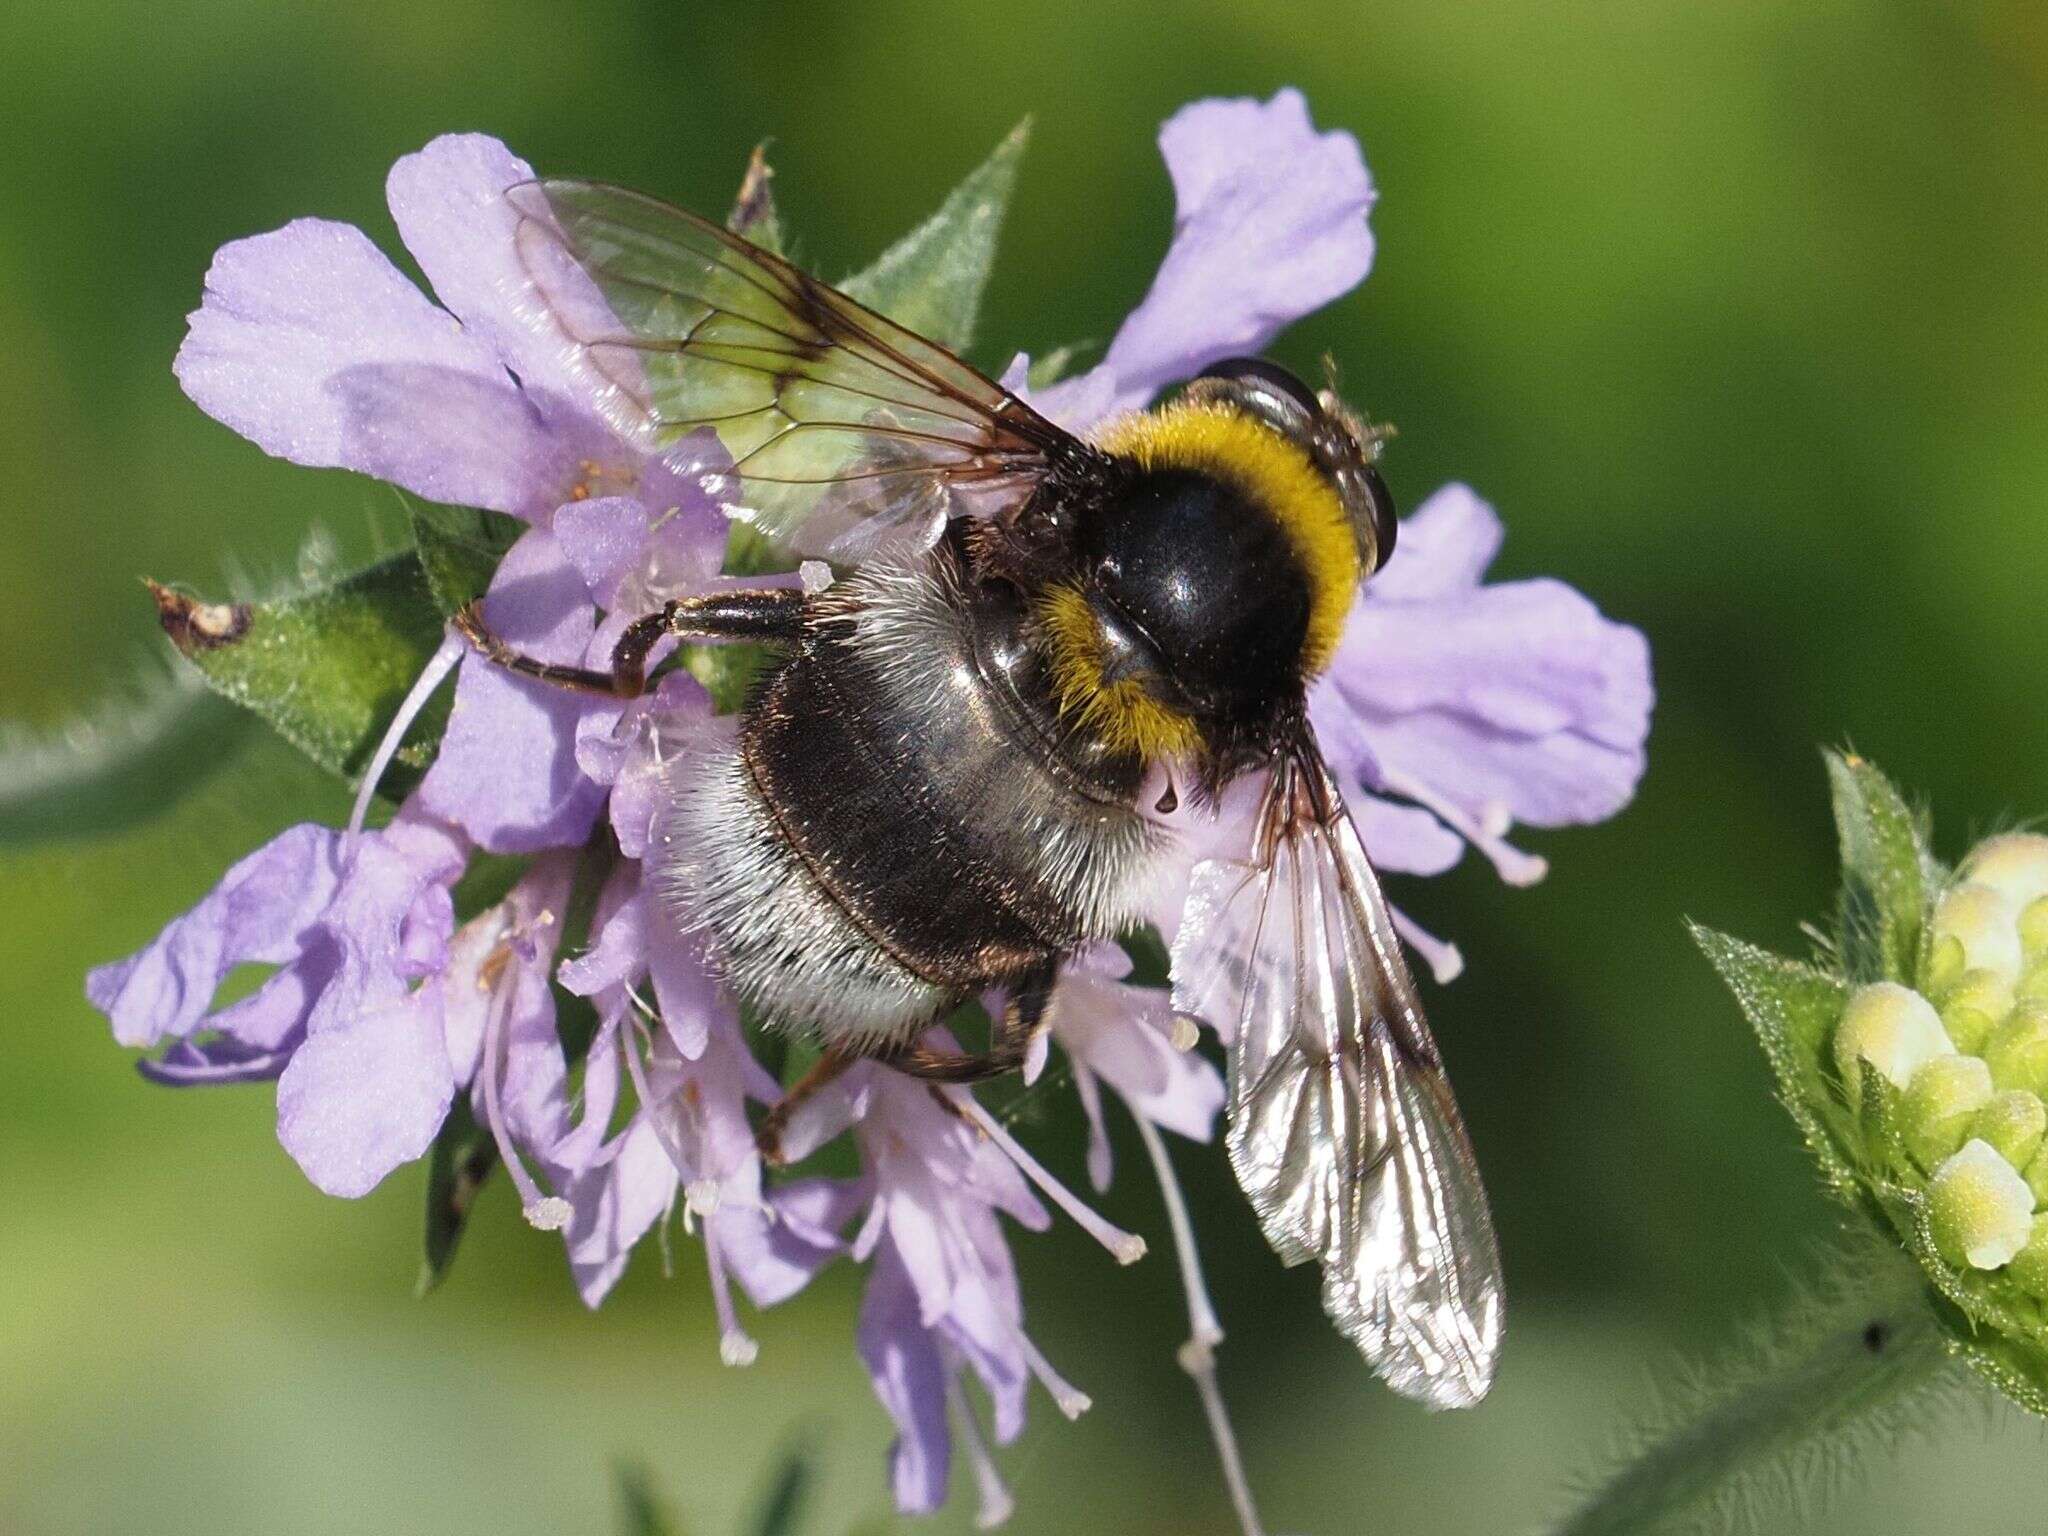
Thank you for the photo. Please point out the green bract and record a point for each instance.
(1913, 1053)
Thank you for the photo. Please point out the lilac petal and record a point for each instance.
(1122, 1034)
(635, 750)
(506, 771)
(910, 1379)
(534, 1092)
(584, 1145)
(364, 1096)
(1403, 839)
(775, 1251)
(1516, 699)
(260, 912)
(615, 1205)
(312, 345)
(618, 947)
(1269, 224)
(448, 201)
(369, 923)
(1397, 837)
(193, 1063)
(603, 538)
(1089, 1091)
(684, 988)
(278, 1010)
(637, 552)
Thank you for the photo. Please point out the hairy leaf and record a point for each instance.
(932, 279)
(459, 548)
(326, 668)
(1885, 872)
(462, 1158)
(1794, 1009)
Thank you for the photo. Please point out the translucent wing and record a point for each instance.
(834, 429)
(1343, 1132)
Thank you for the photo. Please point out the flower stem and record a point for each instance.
(1834, 1375)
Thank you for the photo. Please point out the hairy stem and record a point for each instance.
(1779, 1425)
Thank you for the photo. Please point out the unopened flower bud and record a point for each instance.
(2034, 929)
(1981, 1210)
(2030, 1265)
(1974, 1006)
(1893, 1028)
(1943, 1098)
(2014, 864)
(2014, 1123)
(2033, 987)
(2017, 1051)
(1984, 922)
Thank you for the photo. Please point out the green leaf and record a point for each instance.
(1794, 1009)
(932, 279)
(459, 548)
(124, 760)
(641, 1510)
(463, 1157)
(1885, 865)
(326, 668)
(782, 1510)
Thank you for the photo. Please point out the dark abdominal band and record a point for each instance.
(849, 784)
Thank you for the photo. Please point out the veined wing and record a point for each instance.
(831, 427)
(1343, 1131)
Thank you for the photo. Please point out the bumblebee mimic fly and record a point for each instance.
(943, 784)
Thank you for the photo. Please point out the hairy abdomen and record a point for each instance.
(893, 829)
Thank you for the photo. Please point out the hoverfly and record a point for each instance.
(935, 790)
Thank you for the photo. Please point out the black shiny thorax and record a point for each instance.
(1207, 577)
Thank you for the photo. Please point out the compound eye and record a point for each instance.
(1386, 527)
(1259, 371)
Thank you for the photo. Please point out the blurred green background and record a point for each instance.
(1738, 313)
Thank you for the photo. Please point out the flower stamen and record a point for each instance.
(431, 675)
(1445, 962)
(548, 1213)
(993, 1502)
(1205, 1330)
(1487, 831)
(1124, 1247)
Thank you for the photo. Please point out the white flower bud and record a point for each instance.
(2015, 1123)
(2015, 865)
(1984, 922)
(2017, 1051)
(2034, 929)
(1981, 1210)
(1893, 1028)
(1939, 1105)
(2030, 1265)
(1974, 1006)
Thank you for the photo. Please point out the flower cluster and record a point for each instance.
(1454, 709)
(1915, 1059)
(1969, 1054)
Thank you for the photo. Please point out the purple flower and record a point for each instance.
(312, 345)
(1453, 710)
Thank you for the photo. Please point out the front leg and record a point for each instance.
(761, 614)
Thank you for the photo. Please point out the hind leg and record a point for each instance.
(1023, 1020)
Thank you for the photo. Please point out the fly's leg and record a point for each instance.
(764, 614)
(1024, 1019)
(826, 1069)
